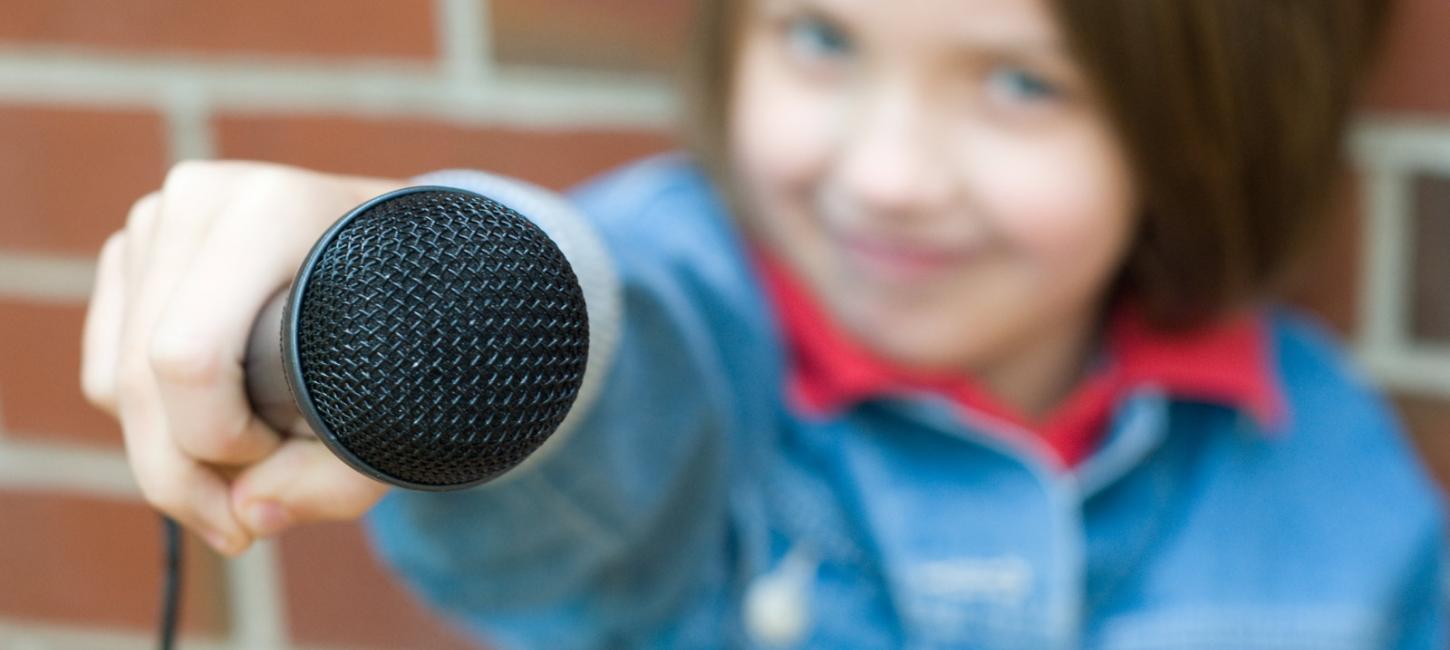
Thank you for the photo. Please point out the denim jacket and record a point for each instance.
(686, 505)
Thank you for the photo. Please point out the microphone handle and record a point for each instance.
(268, 391)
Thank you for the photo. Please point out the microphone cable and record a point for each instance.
(171, 588)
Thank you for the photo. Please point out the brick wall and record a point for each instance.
(97, 99)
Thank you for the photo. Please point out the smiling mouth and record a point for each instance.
(903, 262)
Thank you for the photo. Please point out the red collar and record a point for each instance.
(1226, 363)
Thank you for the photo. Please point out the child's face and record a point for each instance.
(938, 170)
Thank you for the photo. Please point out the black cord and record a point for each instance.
(171, 591)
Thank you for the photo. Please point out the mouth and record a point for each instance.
(900, 261)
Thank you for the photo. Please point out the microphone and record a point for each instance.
(433, 339)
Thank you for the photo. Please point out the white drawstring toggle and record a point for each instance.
(778, 603)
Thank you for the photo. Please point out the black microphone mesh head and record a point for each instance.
(439, 338)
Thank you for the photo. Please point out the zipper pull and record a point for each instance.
(778, 603)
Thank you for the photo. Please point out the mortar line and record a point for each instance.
(258, 601)
(63, 467)
(463, 35)
(523, 96)
(47, 277)
(32, 635)
(188, 124)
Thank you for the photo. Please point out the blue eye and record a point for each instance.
(817, 38)
(1020, 85)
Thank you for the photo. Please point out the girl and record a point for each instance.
(954, 332)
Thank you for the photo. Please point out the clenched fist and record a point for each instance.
(176, 292)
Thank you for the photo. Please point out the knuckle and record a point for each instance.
(143, 212)
(180, 359)
(99, 390)
(188, 173)
(111, 250)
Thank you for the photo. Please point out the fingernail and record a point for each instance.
(267, 518)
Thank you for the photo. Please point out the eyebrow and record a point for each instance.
(968, 37)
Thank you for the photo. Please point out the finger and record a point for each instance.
(302, 481)
(101, 335)
(191, 493)
(140, 225)
(207, 323)
(188, 206)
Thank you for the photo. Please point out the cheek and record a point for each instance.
(1064, 207)
(782, 132)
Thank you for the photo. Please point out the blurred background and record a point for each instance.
(98, 98)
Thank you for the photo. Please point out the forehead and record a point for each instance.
(937, 22)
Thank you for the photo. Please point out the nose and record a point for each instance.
(892, 161)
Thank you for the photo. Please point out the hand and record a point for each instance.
(175, 296)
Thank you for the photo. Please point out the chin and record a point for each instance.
(911, 339)
(923, 355)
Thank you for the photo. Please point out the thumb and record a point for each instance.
(300, 482)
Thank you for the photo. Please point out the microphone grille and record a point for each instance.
(440, 338)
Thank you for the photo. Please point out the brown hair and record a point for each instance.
(1232, 111)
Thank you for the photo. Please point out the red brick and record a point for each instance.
(339, 595)
(376, 28)
(1428, 419)
(1413, 76)
(614, 34)
(40, 392)
(402, 148)
(1327, 281)
(76, 560)
(69, 175)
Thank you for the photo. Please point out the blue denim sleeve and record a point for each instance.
(1416, 565)
(616, 525)
(1369, 485)
(1419, 611)
(1421, 618)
